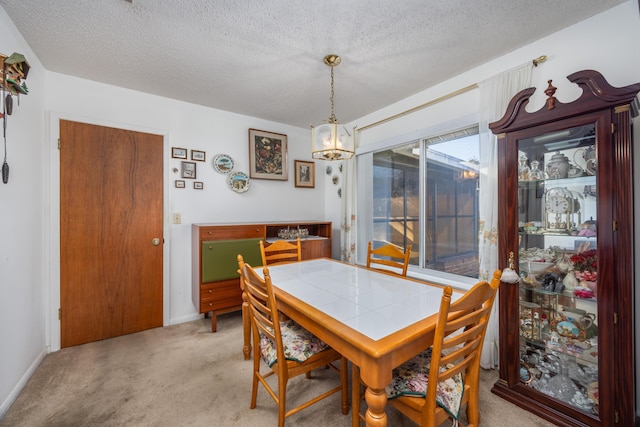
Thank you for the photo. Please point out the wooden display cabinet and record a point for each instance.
(215, 282)
(565, 176)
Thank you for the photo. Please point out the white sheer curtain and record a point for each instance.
(348, 211)
(495, 94)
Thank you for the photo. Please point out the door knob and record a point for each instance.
(155, 241)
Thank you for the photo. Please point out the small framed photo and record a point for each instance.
(267, 155)
(188, 170)
(179, 183)
(198, 185)
(305, 174)
(199, 156)
(178, 153)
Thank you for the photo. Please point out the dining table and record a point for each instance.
(376, 320)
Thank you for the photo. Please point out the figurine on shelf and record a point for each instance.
(536, 173)
(585, 264)
(570, 281)
(588, 228)
(554, 341)
(551, 282)
(524, 173)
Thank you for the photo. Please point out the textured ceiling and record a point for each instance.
(264, 58)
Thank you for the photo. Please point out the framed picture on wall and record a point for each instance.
(199, 156)
(179, 183)
(198, 185)
(178, 153)
(305, 174)
(188, 170)
(267, 155)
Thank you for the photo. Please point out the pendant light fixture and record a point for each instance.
(332, 140)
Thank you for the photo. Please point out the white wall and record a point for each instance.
(22, 251)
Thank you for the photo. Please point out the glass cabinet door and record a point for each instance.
(566, 225)
(558, 267)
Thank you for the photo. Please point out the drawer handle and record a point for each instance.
(210, 304)
(210, 291)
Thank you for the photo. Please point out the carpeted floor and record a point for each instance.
(184, 375)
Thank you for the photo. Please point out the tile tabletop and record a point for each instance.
(372, 303)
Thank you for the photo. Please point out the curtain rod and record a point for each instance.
(535, 62)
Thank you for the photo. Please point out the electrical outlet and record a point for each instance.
(177, 218)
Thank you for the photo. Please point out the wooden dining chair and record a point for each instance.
(280, 251)
(433, 386)
(285, 347)
(388, 258)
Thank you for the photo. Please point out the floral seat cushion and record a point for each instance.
(412, 378)
(299, 344)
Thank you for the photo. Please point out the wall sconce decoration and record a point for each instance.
(15, 69)
(332, 140)
(509, 274)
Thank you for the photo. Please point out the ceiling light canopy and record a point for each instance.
(332, 140)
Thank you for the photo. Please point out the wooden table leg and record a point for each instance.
(246, 329)
(376, 402)
(344, 379)
(214, 321)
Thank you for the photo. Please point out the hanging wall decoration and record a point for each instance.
(267, 155)
(223, 163)
(14, 71)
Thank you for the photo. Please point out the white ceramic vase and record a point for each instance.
(570, 282)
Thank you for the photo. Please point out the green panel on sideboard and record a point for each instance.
(219, 258)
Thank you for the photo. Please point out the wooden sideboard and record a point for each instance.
(215, 281)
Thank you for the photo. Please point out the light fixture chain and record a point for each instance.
(333, 116)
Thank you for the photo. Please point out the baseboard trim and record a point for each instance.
(184, 319)
(11, 397)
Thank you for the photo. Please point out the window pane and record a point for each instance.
(452, 199)
(396, 198)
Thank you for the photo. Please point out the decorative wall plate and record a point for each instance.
(223, 163)
(239, 182)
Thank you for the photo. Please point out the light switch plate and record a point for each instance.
(177, 218)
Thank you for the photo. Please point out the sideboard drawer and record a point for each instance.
(225, 232)
(220, 295)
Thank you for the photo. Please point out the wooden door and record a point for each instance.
(110, 214)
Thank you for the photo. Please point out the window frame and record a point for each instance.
(364, 159)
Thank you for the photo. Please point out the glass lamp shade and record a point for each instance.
(331, 141)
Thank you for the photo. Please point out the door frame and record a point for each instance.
(51, 238)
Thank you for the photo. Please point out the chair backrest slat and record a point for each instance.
(280, 251)
(394, 260)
